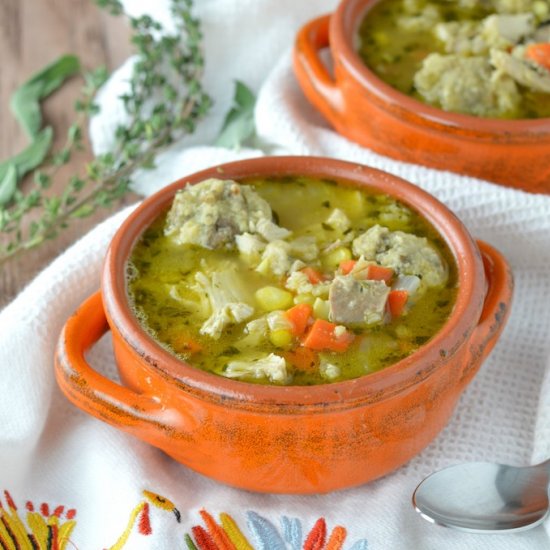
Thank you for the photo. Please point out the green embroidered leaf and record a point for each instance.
(8, 185)
(25, 100)
(31, 157)
(189, 542)
(238, 126)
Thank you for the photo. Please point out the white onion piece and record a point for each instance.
(410, 283)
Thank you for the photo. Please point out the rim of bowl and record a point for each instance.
(371, 387)
(344, 30)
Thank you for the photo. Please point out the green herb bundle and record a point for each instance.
(166, 100)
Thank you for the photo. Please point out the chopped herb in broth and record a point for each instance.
(342, 283)
(488, 58)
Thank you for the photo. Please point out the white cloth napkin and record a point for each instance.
(52, 454)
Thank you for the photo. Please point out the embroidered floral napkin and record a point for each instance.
(72, 481)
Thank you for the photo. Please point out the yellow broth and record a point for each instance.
(301, 204)
(395, 54)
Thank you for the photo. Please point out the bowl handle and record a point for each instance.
(314, 78)
(496, 308)
(91, 391)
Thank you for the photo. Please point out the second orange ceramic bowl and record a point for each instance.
(365, 109)
(286, 439)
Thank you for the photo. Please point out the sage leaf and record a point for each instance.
(31, 157)
(238, 126)
(25, 101)
(8, 185)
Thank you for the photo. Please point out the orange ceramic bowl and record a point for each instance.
(365, 109)
(291, 439)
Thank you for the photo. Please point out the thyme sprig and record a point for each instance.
(165, 100)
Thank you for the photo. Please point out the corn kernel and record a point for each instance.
(541, 10)
(304, 299)
(356, 204)
(271, 298)
(281, 338)
(336, 256)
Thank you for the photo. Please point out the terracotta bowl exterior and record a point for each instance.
(368, 111)
(286, 439)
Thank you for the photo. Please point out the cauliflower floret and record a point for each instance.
(423, 19)
(276, 320)
(299, 282)
(296, 266)
(272, 367)
(473, 4)
(503, 31)
(226, 315)
(516, 6)
(255, 332)
(462, 37)
(276, 259)
(477, 37)
(228, 301)
(250, 246)
(304, 247)
(338, 220)
(529, 74)
(270, 231)
(192, 296)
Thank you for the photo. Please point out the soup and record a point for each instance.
(487, 58)
(290, 280)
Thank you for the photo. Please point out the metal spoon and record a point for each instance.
(481, 497)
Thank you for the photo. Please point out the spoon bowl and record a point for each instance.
(482, 497)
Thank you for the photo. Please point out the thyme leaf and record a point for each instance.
(165, 101)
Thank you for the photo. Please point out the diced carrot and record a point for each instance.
(303, 359)
(183, 343)
(539, 53)
(396, 301)
(298, 316)
(346, 266)
(315, 277)
(379, 273)
(323, 335)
